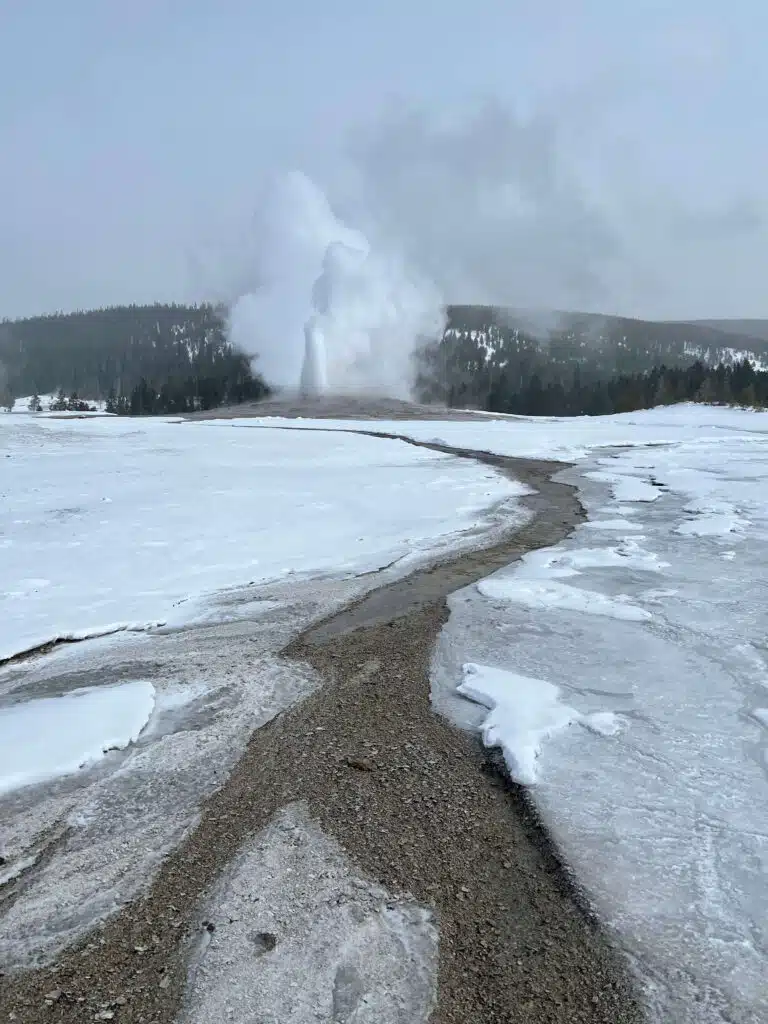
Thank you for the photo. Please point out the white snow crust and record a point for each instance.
(52, 736)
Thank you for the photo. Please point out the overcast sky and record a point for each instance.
(633, 139)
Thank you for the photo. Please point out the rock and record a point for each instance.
(54, 996)
(264, 942)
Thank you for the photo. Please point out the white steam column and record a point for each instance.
(333, 325)
(314, 372)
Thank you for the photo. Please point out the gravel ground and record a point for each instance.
(338, 406)
(413, 801)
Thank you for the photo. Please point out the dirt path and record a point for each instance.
(416, 803)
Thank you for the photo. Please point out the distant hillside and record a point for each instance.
(483, 345)
(125, 348)
(744, 328)
(174, 358)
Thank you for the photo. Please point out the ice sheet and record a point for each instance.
(665, 824)
(53, 736)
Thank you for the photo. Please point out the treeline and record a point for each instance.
(160, 358)
(482, 346)
(739, 384)
(182, 396)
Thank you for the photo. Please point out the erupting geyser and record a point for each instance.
(362, 310)
(314, 372)
(337, 334)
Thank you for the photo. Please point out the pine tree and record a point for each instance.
(59, 404)
(6, 395)
(707, 393)
(35, 405)
(665, 394)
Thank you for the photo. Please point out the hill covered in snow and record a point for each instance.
(481, 344)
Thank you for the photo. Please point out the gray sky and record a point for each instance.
(598, 155)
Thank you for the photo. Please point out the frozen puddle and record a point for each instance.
(54, 736)
(301, 935)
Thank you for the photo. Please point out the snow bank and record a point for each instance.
(52, 736)
(523, 713)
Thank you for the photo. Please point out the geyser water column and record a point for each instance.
(314, 369)
(338, 317)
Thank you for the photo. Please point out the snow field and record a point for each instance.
(110, 524)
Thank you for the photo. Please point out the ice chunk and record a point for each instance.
(627, 488)
(42, 739)
(618, 525)
(549, 595)
(523, 712)
(715, 519)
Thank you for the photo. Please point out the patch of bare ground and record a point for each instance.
(337, 406)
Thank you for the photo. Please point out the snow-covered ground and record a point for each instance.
(361, 954)
(625, 674)
(234, 540)
(24, 406)
(108, 525)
